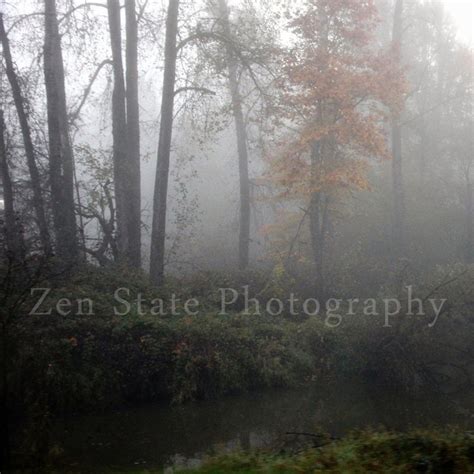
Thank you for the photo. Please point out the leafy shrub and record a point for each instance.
(79, 362)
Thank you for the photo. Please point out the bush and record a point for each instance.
(80, 362)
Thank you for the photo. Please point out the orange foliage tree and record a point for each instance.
(336, 89)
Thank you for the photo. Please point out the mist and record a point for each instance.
(223, 208)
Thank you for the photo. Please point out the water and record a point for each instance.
(156, 436)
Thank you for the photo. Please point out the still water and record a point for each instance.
(157, 436)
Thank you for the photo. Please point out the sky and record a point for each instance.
(462, 12)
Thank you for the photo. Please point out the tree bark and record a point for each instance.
(241, 131)
(398, 211)
(158, 235)
(11, 230)
(38, 201)
(119, 131)
(61, 158)
(133, 135)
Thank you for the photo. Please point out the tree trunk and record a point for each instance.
(158, 234)
(317, 221)
(241, 131)
(469, 219)
(38, 201)
(5, 438)
(61, 160)
(398, 192)
(119, 131)
(133, 136)
(398, 216)
(11, 230)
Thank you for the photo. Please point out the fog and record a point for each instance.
(263, 151)
(207, 160)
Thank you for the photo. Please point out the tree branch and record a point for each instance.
(193, 88)
(78, 7)
(74, 115)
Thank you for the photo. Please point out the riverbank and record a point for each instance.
(80, 363)
(450, 451)
(385, 452)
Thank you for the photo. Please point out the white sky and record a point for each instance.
(462, 12)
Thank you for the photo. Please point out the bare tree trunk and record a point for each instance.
(38, 201)
(12, 235)
(241, 131)
(119, 130)
(158, 234)
(469, 219)
(398, 216)
(60, 150)
(133, 136)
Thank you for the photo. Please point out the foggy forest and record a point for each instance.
(236, 236)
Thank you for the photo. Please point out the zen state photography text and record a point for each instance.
(332, 310)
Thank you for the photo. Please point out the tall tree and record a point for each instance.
(133, 134)
(334, 90)
(38, 201)
(119, 129)
(61, 159)
(13, 242)
(398, 201)
(158, 233)
(459, 139)
(241, 132)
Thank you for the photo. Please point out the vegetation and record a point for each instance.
(387, 452)
(317, 152)
(88, 361)
(81, 362)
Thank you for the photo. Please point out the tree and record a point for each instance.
(61, 159)
(158, 232)
(241, 132)
(11, 230)
(31, 159)
(126, 133)
(334, 92)
(398, 237)
(98, 205)
(119, 131)
(460, 141)
(133, 135)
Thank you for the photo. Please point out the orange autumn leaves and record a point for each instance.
(337, 89)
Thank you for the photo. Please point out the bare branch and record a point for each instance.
(193, 88)
(78, 7)
(88, 89)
